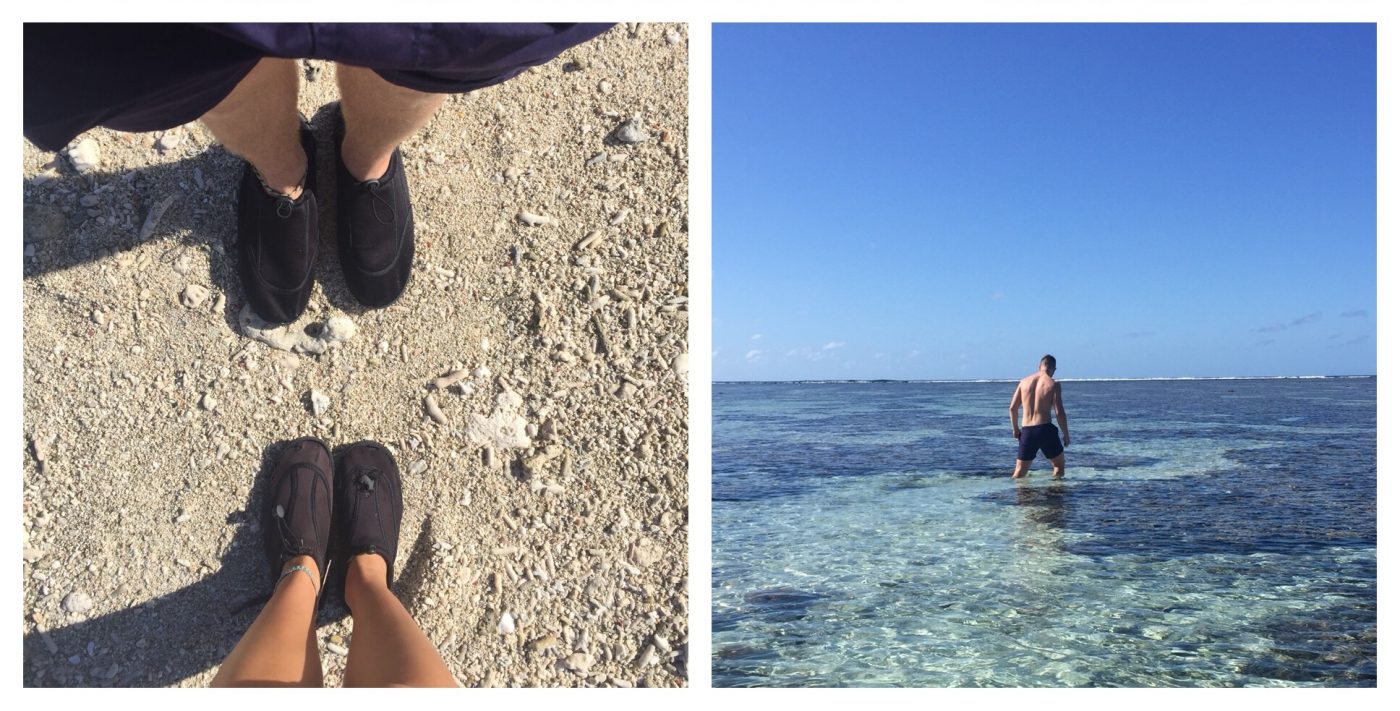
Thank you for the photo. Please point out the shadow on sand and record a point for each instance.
(61, 234)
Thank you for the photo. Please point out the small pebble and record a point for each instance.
(76, 603)
(646, 552)
(193, 295)
(506, 625)
(441, 383)
(535, 220)
(431, 405)
(86, 156)
(646, 658)
(578, 662)
(630, 131)
(320, 402)
(546, 642)
(589, 240)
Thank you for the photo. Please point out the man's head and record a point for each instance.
(1047, 364)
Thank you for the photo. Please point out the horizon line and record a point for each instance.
(1070, 380)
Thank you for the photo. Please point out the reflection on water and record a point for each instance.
(1221, 544)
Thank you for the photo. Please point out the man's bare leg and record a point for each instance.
(1023, 468)
(378, 117)
(258, 121)
(1059, 464)
(387, 647)
(279, 649)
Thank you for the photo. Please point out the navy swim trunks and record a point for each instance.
(1045, 438)
(151, 77)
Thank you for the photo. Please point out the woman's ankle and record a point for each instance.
(299, 570)
(365, 573)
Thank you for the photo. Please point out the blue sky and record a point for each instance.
(954, 201)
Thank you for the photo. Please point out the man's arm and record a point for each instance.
(1016, 413)
(1060, 414)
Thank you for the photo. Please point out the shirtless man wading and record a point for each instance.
(1038, 392)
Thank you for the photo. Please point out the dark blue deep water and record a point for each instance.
(1209, 533)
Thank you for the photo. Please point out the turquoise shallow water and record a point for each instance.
(868, 535)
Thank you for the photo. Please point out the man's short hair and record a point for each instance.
(1048, 360)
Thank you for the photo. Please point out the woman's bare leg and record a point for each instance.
(279, 649)
(258, 121)
(386, 648)
(378, 117)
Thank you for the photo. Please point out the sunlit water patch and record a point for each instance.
(1210, 533)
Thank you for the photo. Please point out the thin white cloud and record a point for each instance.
(1281, 326)
(815, 354)
(756, 337)
(753, 355)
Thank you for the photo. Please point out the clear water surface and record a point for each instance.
(1209, 533)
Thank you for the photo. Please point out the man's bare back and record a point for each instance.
(1038, 394)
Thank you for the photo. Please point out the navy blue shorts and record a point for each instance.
(1044, 438)
(151, 77)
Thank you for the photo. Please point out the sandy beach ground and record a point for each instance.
(545, 496)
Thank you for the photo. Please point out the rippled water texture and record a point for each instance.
(1209, 533)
